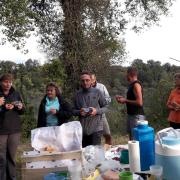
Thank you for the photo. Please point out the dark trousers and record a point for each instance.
(92, 139)
(8, 147)
(174, 125)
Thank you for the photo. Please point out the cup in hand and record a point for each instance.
(16, 103)
(2, 100)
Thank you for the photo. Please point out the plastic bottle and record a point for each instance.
(145, 135)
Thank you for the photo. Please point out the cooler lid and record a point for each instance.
(170, 140)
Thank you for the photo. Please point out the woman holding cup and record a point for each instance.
(9, 126)
(53, 110)
(173, 104)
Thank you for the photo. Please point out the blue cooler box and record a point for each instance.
(167, 153)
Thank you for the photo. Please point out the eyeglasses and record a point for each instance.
(85, 80)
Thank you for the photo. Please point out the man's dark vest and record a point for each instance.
(131, 108)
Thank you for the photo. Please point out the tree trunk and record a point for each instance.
(73, 41)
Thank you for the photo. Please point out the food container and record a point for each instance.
(167, 153)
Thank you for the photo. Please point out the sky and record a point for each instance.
(8, 52)
(158, 43)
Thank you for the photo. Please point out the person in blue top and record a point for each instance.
(53, 109)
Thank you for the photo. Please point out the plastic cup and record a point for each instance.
(99, 153)
(156, 170)
(124, 159)
(75, 170)
(126, 175)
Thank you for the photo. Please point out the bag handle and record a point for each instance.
(159, 133)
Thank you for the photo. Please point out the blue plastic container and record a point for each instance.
(145, 135)
(55, 176)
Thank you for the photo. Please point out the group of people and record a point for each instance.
(90, 104)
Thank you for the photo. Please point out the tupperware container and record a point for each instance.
(167, 153)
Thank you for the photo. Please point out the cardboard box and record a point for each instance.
(35, 165)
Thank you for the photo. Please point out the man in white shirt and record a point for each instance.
(103, 89)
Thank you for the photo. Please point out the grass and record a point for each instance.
(26, 146)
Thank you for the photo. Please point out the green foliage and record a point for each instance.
(86, 34)
(157, 83)
(155, 102)
(54, 71)
(31, 79)
(16, 20)
(116, 117)
(28, 122)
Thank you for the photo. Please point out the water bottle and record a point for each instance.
(145, 135)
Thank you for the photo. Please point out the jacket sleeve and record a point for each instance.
(65, 111)
(102, 103)
(106, 94)
(40, 120)
(76, 109)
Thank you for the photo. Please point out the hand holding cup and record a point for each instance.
(18, 104)
(120, 99)
(53, 111)
(87, 111)
(92, 111)
(9, 106)
(2, 101)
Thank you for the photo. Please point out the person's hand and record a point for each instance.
(82, 112)
(53, 111)
(93, 111)
(9, 106)
(177, 109)
(176, 106)
(19, 106)
(120, 99)
(2, 101)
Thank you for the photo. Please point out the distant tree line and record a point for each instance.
(31, 78)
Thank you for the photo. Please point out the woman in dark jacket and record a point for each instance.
(11, 107)
(53, 110)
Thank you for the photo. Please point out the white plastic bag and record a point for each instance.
(67, 137)
(44, 137)
(70, 136)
